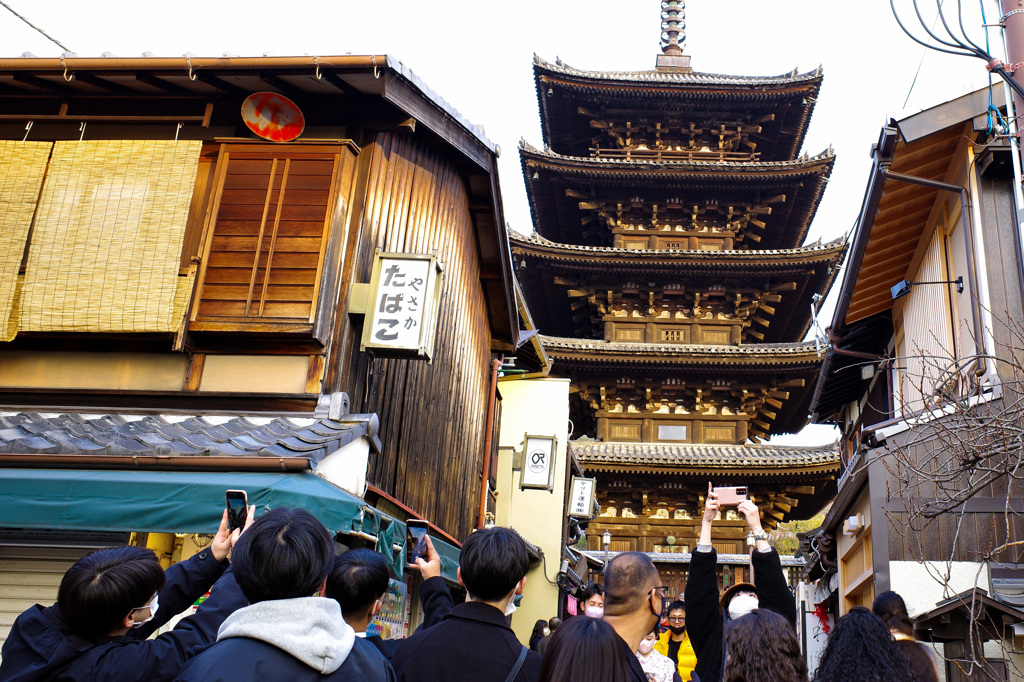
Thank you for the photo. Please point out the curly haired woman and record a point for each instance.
(861, 648)
(763, 648)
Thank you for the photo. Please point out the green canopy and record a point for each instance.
(186, 502)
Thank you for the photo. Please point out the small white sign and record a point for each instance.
(581, 497)
(538, 464)
(402, 308)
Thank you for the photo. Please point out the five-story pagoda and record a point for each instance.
(668, 277)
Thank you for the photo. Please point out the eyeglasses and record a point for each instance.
(663, 589)
(676, 619)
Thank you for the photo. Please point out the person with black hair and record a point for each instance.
(540, 631)
(553, 624)
(586, 649)
(924, 664)
(675, 643)
(861, 648)
(474, 641)
(763, 647)
(360, 578)
(288, 632)
(705, 621)
(592, 600)
(110, 602)
(634, 601)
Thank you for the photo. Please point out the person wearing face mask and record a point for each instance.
(110, 602)
(707, 615)
(542, 645)
(634, 603)
(658, 666)
(674, 643)
(592, 600)
(540, 631)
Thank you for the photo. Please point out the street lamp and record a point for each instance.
(606, 539)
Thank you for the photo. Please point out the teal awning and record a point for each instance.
(185, 502)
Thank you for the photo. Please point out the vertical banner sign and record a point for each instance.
(581, 497)
(538, 462)
(401, 314)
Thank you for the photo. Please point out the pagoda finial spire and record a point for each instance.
(673, 35)
(673, 26)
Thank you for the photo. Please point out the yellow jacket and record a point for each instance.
(687, 658)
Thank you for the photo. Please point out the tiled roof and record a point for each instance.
(555, 250)
(590, 451)
(166, 435)
(698, 168)
(684, 557)
(682, 77)
(596, 347)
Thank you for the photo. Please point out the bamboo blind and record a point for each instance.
(107, 240)
(22, 169)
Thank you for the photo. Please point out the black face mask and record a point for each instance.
(677, 630)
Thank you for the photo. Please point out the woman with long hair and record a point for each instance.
(540, 629)
(585, 650)
(861, 648)
(762, 647)
(924, 665)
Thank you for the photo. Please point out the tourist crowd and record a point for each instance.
(285, 607)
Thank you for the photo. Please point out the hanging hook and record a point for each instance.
(65, 65)
(316, 63)
(188, 63)
(376, 72)
(177, 131)
(28, 129)
(81, 129)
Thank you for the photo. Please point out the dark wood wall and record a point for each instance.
(410, 198)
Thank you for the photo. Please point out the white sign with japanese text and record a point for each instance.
(402, 308)
(581, 497)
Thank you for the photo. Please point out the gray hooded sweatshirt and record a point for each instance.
(309, 628)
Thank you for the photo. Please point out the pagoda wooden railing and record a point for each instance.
(672, 155)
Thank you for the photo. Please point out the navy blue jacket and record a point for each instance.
(472, 644)
(241, 659)
(705, 623)
(41, 646)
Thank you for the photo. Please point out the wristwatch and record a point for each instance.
(760, 535)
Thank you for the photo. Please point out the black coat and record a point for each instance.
(241, 659)
(41, 646)
(472, 644)
(704, 620)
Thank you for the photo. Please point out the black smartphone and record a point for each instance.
(416, 539)
(238, 508)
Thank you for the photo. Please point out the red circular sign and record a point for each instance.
(273, 117)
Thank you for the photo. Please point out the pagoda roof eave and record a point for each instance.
(627, 259)
(765, 459)
(761, 355)
(662, 77)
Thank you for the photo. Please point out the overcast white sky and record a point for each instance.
(477, 55)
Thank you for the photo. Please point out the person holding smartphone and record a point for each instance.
(110, 602)
(705, 622)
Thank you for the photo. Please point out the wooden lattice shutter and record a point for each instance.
(263, 259)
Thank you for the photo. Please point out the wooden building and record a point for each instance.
(669, 276)
(182, 301)
(922, 372)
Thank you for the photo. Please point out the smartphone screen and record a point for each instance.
(238, 508)
(416, 539)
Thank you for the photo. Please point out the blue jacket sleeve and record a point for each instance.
(162, 658)
(436, 600)
(186, 582)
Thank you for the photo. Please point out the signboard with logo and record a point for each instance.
(393, 620)
(401, 311)
(581, 497)
(538, 462)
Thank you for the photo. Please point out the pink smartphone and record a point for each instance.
(730, 497)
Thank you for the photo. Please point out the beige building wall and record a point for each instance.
(539, 407)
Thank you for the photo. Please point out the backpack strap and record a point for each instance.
(519, 664)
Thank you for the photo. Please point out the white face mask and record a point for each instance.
(646, 646)
(152, 606)
(741, 605)
(594, 611)
(546, 632)
(511, 606)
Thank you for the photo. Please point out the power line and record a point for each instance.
(47, 36)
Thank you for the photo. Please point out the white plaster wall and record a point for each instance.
(922, 584)
(346, 468)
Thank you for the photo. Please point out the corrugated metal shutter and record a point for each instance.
(31, 575)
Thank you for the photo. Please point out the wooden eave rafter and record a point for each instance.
(900, 221)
